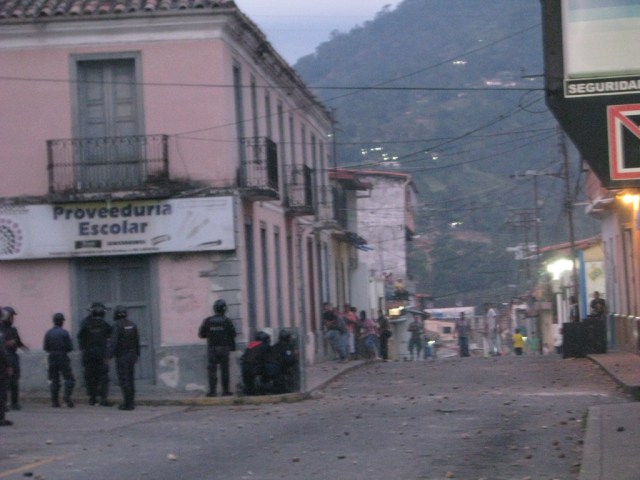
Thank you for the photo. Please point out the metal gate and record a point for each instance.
(122, 281)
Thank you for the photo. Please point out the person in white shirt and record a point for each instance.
(492, 346)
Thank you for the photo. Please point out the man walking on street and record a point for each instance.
(57, 343)
(220, 334)
(125, 348)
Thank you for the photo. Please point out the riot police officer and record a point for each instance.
(5, 372)
(282, 364)
(220, 333)
(12, 343)
(253, 364)
(125, 348)
(93, 337)
(57, 343)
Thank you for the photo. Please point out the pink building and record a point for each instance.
(160, 155)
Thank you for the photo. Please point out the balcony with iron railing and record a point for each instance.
(299, 187)
(258, 174)
(108, 164)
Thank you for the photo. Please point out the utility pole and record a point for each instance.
(569, 209)
(536, 209)
(522, 219)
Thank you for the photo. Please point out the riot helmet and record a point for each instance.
(119, 313)
(220, 307)
(7, 315)
(263, 337)
(58, 319)
(284, 336)
(97, 309)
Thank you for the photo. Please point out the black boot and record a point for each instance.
(55, 403)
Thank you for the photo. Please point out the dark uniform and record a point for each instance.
(57, 343)
(282, 364)
(5, 365)
(12, 343)
(385, 335)
(125, 348)
(93, 337)
(253, 363)
(220, 334)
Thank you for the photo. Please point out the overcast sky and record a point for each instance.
(296, 27)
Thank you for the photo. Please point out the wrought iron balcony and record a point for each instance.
(87, 165)
(299, 185)
(258, 175)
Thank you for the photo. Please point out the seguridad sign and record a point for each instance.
(592, 73)
(116, 228)
(601, 86)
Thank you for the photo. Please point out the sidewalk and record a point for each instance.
(317, 376)
(611, 447)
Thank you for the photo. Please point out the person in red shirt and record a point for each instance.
(351, 319)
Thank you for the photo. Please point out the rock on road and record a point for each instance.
(504, 418)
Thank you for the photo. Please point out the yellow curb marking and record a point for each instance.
(31, 465)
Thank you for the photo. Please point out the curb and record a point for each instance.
(632, 389)
(42, 397)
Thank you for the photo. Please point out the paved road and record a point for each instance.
(501, 418)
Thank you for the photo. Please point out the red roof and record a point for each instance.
(32, 9)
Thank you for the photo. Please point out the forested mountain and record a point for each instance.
(451, 91)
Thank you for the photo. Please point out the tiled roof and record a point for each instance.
(32, 9)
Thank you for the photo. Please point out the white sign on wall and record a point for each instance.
(116, 228)
(600, 38)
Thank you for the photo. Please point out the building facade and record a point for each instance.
(160, 156)
(386, 219)
(619, 213)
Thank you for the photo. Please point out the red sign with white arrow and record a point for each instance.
(623, 125)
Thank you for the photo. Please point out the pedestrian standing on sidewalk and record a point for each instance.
(334, 328)
(57, 343)
(598, 306)
(533, 342)
(12, 343)
(93, 339)
(370, 336)
(518, 342)
(5, 373)
(462, 333)
(384, 328)
(557, 341)
(220, 333)
(125, 348)
(415, 339)
(574, 309)
(490, 331)
(351, 320)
